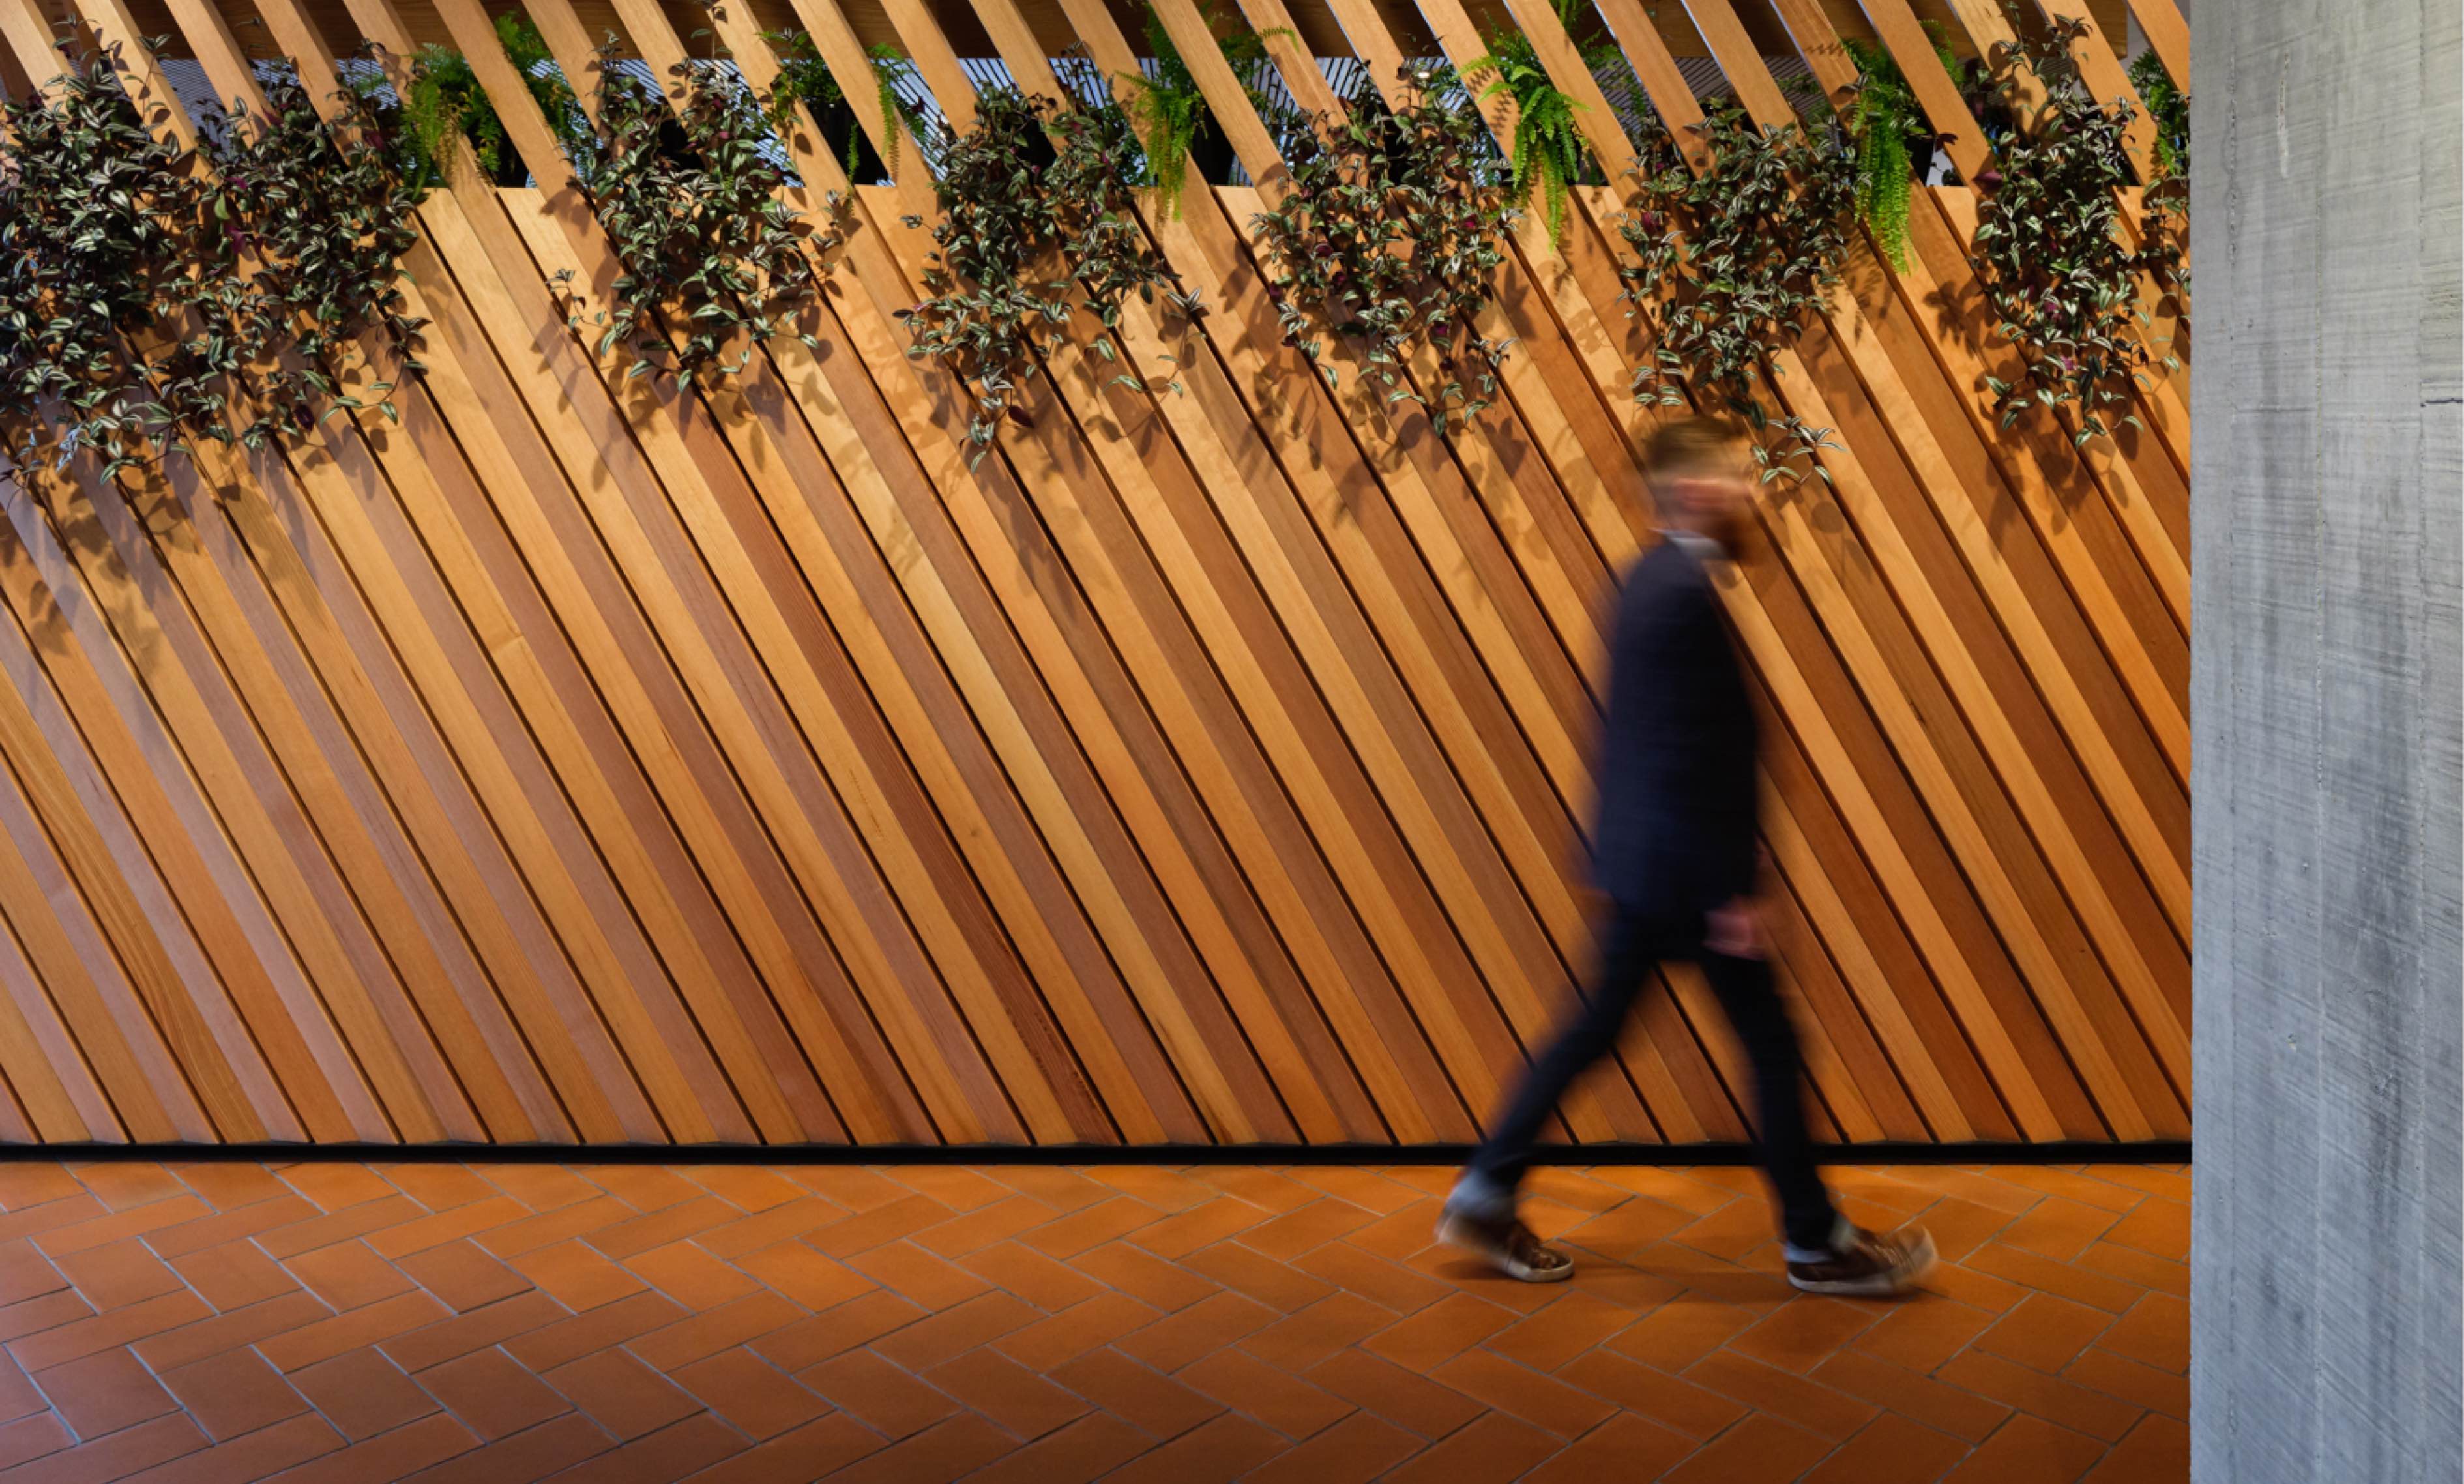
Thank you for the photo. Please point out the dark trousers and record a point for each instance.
(1635, 944)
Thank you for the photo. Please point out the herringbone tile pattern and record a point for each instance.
(337, 1322)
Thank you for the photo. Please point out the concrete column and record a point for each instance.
(2326, 1323)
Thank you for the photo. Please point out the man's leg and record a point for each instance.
(1808, 1223)
(1826, 1255)
(1629, 948)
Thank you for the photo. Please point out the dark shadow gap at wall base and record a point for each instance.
(2161, 1152)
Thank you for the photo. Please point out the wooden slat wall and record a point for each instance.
(584, 761)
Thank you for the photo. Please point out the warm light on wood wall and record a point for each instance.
(577, 762)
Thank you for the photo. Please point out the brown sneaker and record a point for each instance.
(1507, 1244)
(1869, 1265)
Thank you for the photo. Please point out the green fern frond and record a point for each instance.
(441, 83)
(445, 99)
(527, 50)
(1940, 35)
(1548, 154)
(1169, 109)
(889, 69)
(804, 78)
(1879, 120)
(1168, 113)
(1883, 180)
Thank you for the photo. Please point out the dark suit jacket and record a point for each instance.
(1676, 828)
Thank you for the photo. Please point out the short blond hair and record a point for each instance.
(1690, 445)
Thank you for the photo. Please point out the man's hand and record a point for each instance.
(1731, 932)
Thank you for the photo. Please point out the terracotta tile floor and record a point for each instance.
(335, 1323)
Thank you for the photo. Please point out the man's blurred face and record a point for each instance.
(1716, 496)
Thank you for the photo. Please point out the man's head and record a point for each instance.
(1702, 476)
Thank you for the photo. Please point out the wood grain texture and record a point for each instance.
(581, 759)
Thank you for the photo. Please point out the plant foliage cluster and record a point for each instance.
(1389, 239)
(2050, 251)
(803, 78)
(1731, 264)
(712, 256)
(1036, 215)
(1170, 109)
(2168, 108)
(1550, 156)
(1887, 130)
(445, 99)
(144, 299)
(149, 300)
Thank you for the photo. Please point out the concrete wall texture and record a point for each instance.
(2325, 706)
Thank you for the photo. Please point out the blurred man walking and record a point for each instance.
(1676, 853)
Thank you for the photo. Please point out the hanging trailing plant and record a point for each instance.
(691, 201)
(1730, 265)
(1389, 237)
(1036, 205)
(141, 299)
(321, 215)
(1550, 156)
(1887, 129)
(803, 78)
(98, 222)
(2048, 249)
(1170, 109)
(901, 86)
(445, 99)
